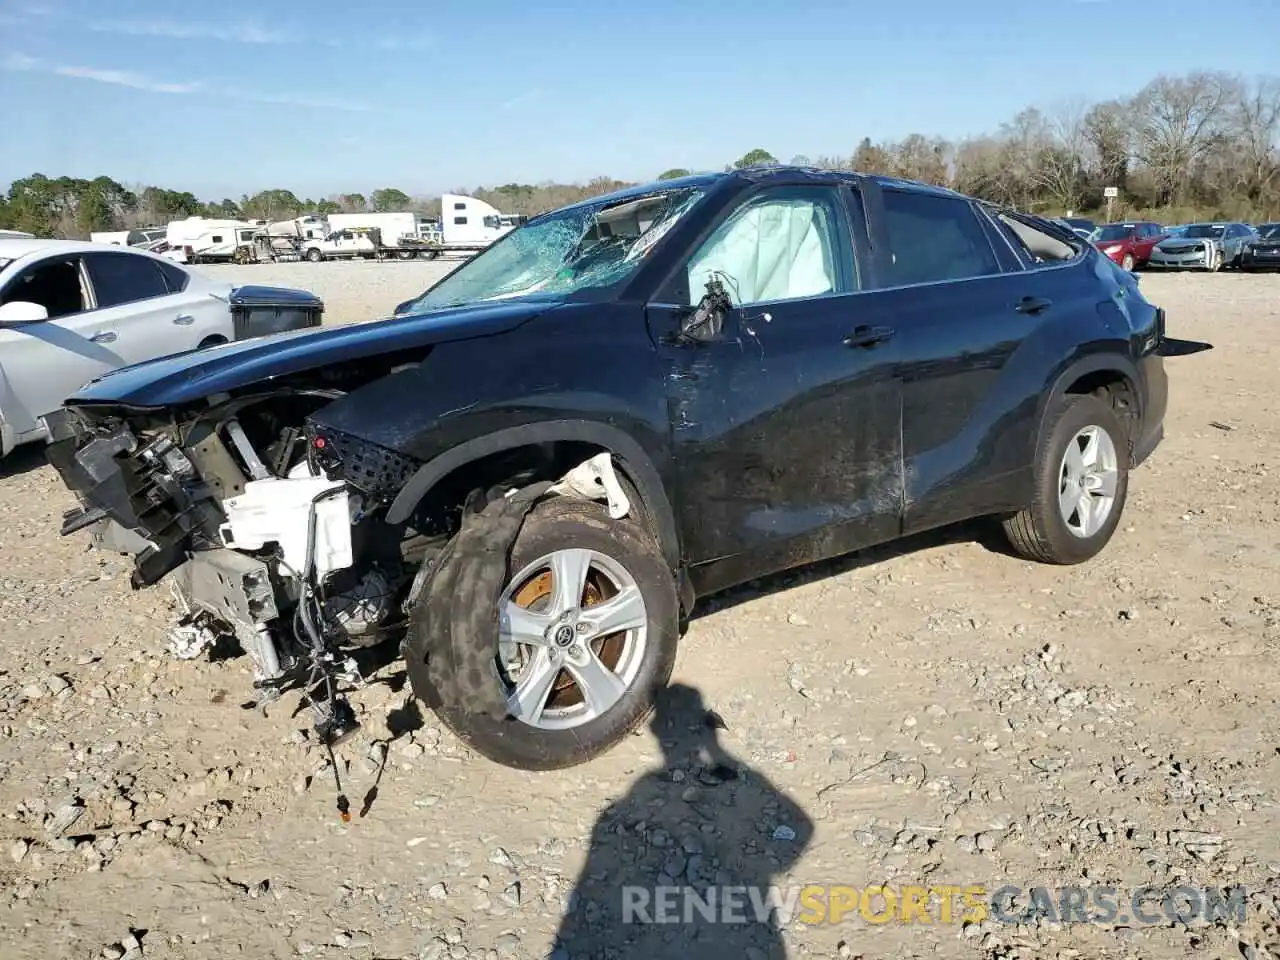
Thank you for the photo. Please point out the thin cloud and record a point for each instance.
(136, 81)
(247, 33)
(119, 78)
(300, 100)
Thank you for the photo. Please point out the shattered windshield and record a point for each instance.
(1202, 231)
(579, 248)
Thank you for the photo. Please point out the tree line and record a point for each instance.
(1198, 145)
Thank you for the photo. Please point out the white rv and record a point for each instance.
(203, 239)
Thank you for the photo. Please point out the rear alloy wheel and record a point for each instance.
(1081, 481)
(587, 634)
(1127, 262)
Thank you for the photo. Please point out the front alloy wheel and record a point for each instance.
(572, 639)
(587, 626)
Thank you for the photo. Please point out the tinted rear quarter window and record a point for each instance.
(933, 239)
(174, 276)
(124, 278)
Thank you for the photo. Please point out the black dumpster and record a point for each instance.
(257, 311)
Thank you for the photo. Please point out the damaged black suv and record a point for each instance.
(528, 474)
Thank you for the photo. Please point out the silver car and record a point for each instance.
(1202, 246)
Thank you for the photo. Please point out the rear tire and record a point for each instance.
(1082, 463)
(565, 734)
(314, 255)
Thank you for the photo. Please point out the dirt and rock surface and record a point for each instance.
(936, 712)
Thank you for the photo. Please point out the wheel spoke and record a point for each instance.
(623, 612)
(1074, 460)
(1068, 496)
(601, 688)
(1106, 483)
(569, 570)
(1084, 507)
(1089, 455)
(520, 625)
(529, 698)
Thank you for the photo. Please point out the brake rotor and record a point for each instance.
(536, 592)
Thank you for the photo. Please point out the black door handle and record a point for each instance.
(865, 336)
(1033, 305)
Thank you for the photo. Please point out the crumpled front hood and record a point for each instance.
(184, 377)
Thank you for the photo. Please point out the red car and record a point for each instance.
(1129, 244)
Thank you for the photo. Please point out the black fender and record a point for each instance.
(631, 459)
(1111, 361)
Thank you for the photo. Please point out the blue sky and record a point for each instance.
(323, 96)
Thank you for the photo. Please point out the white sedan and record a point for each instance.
(70, 311)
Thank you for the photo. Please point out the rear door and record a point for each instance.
(43, 363)
(963, 305)
(135, 302)
(785, 426)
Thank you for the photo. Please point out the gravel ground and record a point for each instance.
(351, 290)
(936, 712)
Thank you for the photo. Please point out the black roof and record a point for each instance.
(763, 174)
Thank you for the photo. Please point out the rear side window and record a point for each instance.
(175, 278)
(934, 239)
(124, 278)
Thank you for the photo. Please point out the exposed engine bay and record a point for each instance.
(271, 530)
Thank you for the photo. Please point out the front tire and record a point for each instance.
(597, 604)
(1127, 262)
(1081, 481)
(314, 255)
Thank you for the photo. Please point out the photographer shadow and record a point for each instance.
(682, 865)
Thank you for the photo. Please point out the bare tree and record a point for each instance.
(1108, 133)
(981, 170)
(1056, 145)
(920, 158)
(1176, 121)
(1254, 129)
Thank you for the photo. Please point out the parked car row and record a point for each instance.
(1141, 244)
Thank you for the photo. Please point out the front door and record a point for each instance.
(43, 363)
(785, 425)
